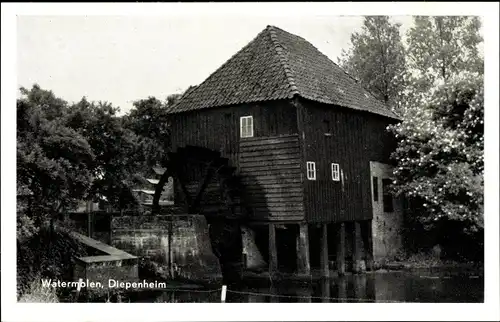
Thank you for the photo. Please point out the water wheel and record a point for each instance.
(205, 183)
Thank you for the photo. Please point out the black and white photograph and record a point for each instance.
(202, 153)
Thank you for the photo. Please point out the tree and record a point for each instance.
(441, 47)
(376, 58)
(117, 151)
(438, 88)
(440, 157)
(52, 159)
(149, 121)
(68, 153)
(440, 150)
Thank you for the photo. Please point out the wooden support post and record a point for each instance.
(91, 225)
(357, 265)
(342, 289)
(359, 282)
(170, 247)
(110, 218)
(341, 249)
(325, 271)
(223, 294)
(325, 290)
(370, 288)
(368, 245)
(274, 290)
(78, 289)
(273, 253)
(302, 243)
(90, 219)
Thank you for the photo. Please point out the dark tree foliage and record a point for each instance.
(67, 153)
(148, 119)
(53, 160)
(116, 148)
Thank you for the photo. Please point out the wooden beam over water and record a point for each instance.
(341, 249)
(357, 265)
(368, 244)
(325, 271)
(273, 253)
(302, 243)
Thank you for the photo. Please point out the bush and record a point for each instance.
(47, 254)
(440, 167)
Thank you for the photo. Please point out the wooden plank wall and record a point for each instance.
(271, 173)
(353, 140)
(219, 128)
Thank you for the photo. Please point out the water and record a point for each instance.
(379, 287)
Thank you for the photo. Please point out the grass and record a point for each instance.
(36, 293)
(422, 260)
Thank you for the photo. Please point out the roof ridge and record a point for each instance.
(319, 51)
(290, 78)
(349, 75)
(285, 65)
(283, 60)
(221, 66)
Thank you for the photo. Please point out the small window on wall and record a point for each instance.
(375, 188)
(246, 126)
(311, 170)
(387, 197)
(335, 172)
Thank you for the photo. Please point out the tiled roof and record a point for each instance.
(279, 65)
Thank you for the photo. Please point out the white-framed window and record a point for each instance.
(246, 126)
(311, 170)
(335, 172)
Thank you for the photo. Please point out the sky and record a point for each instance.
(128, 58)
(121, 59)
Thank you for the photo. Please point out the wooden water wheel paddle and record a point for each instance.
(194, 169)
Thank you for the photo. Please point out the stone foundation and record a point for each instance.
(387, 236)
(252, 257)
(148, 236)
(387, 227)
(109, 264)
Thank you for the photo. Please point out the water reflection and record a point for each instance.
(359, 288)
(364, 288)
(275, 291)
(304, 293)
(325, 290)
(256, 298)
(345, 289)
(342, 289)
